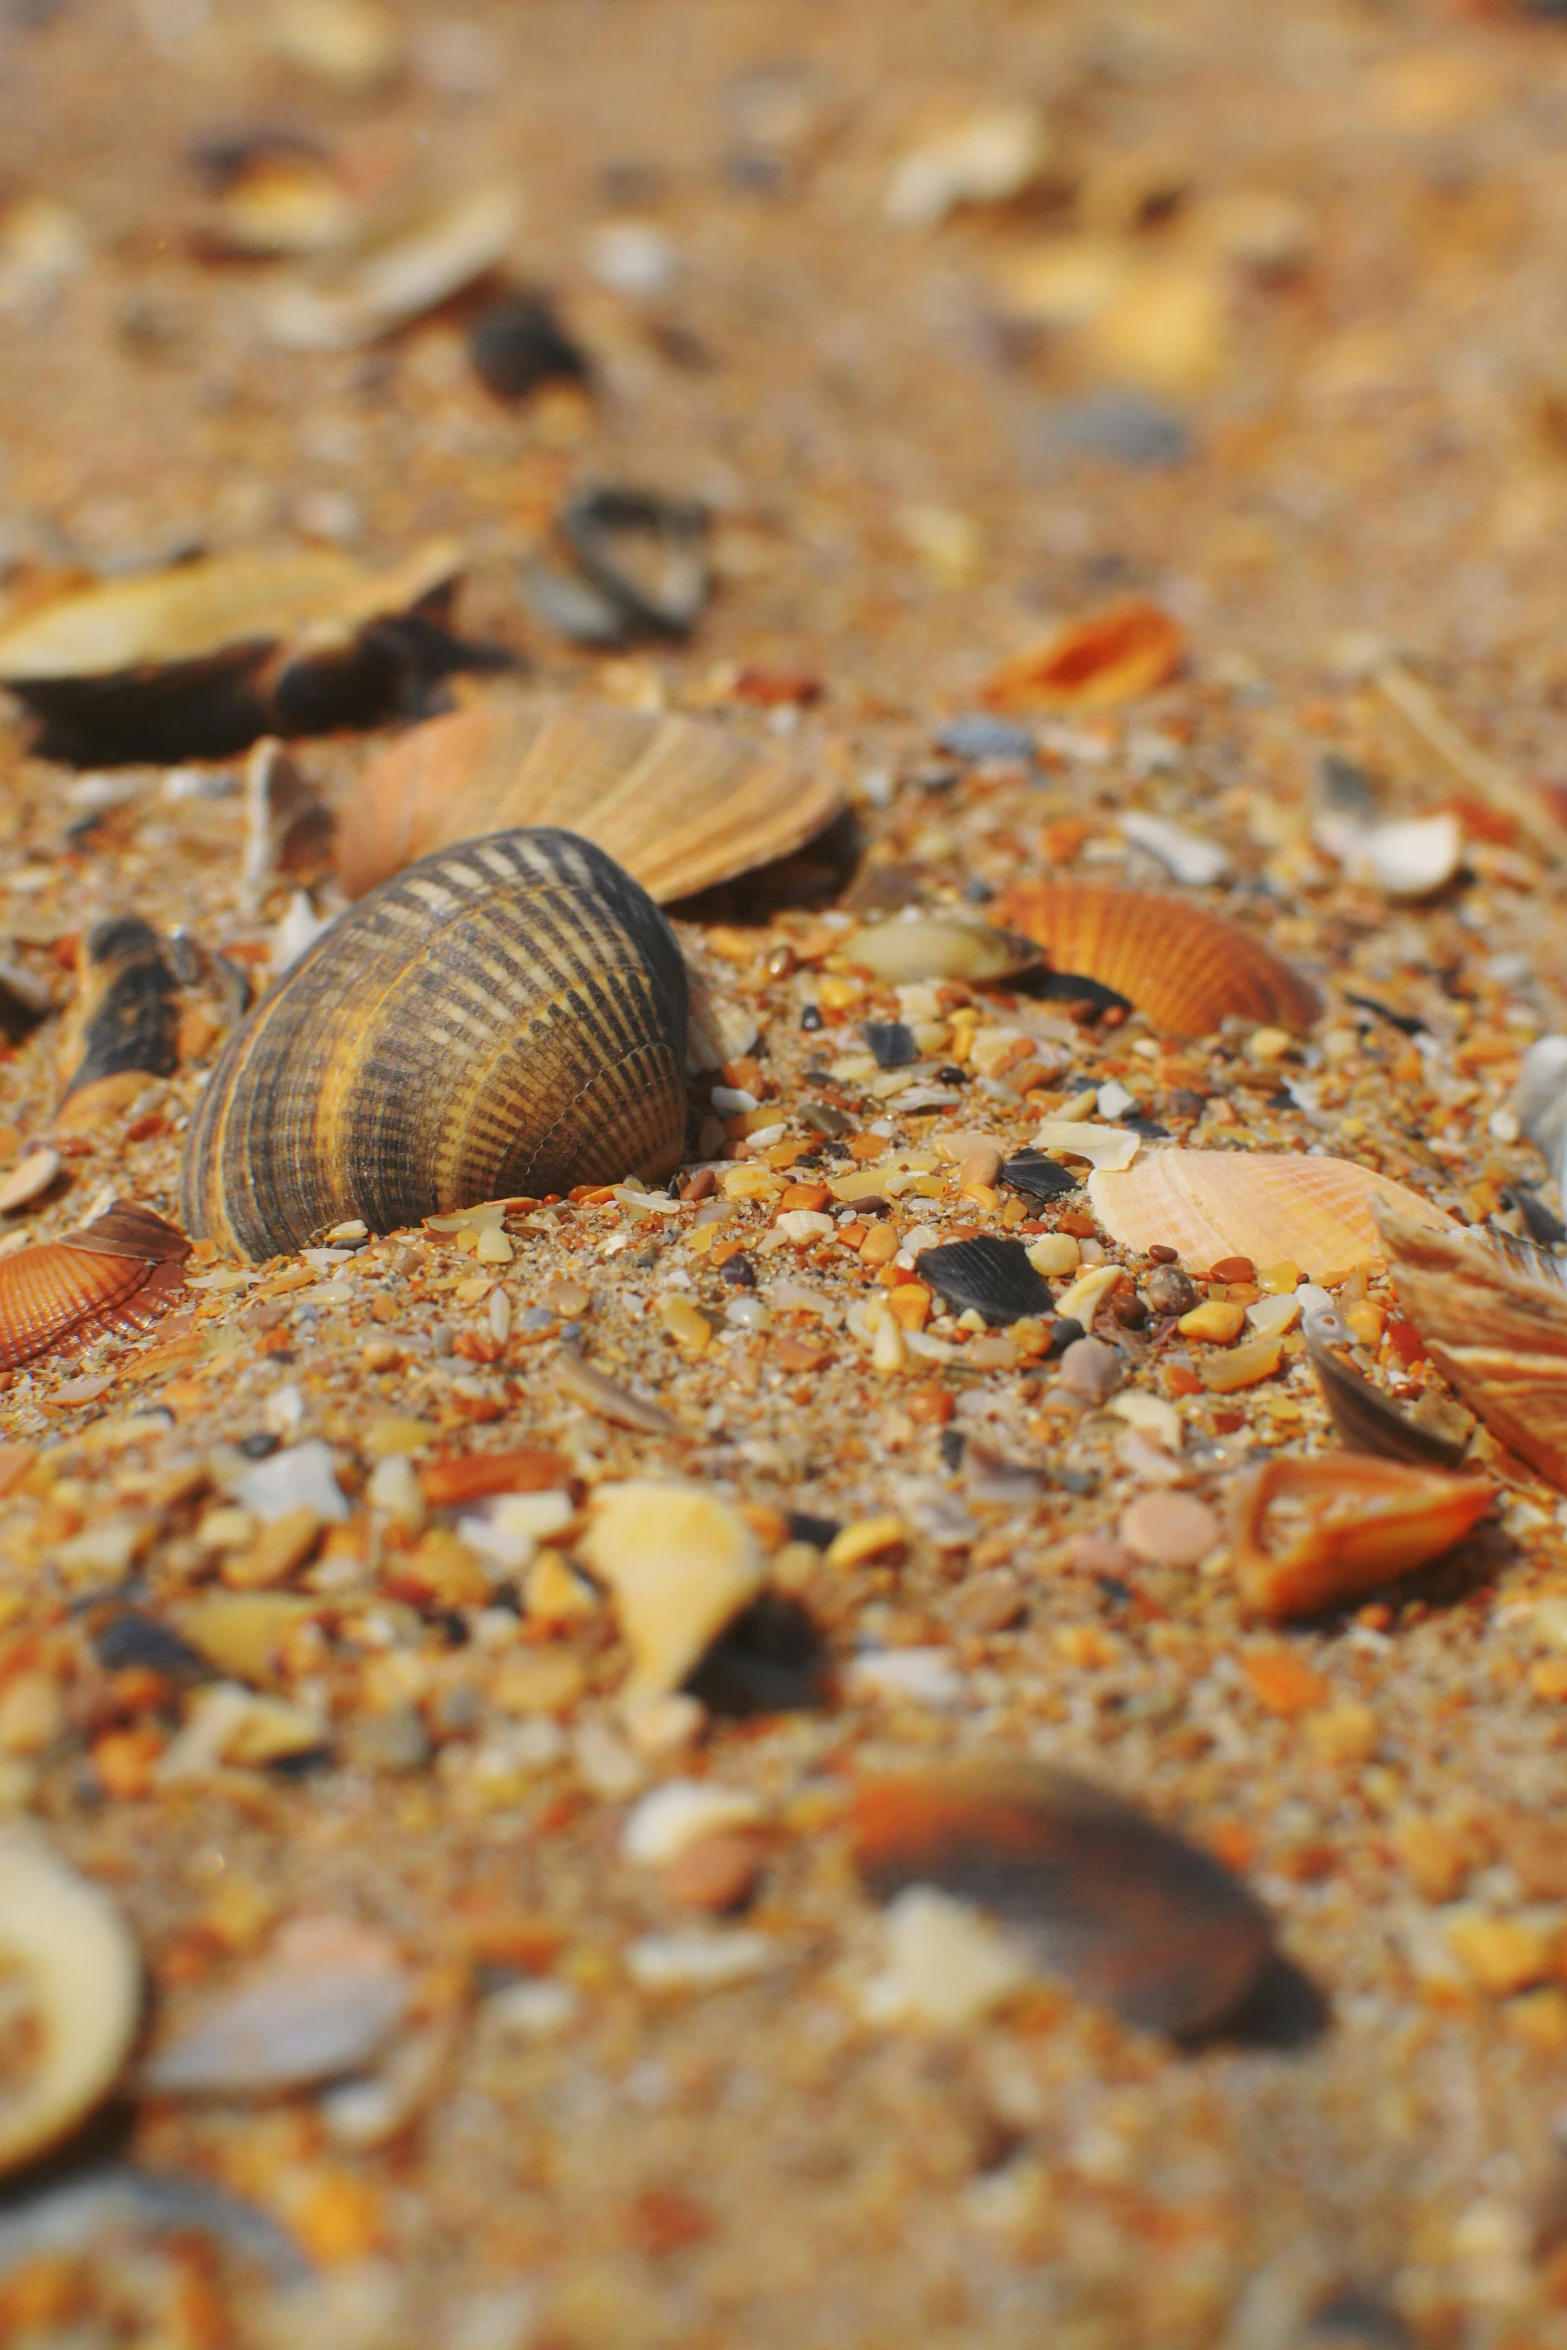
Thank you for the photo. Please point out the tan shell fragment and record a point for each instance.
(681, 803)
(939, 946)
(69, 1968)
(1499, 1335)
(1271, 1206)
(679, 1563)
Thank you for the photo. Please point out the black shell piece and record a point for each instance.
(771, 1660)
(1149, 1128)
(1544, 1229)
(644, 553)
(1040, 1177)
(994, 1277)
(519, 343)
(1369, 1421)
(892, 1042)
(129, 989)
(1069, 987)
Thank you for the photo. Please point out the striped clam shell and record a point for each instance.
(118, 1273)
(505, 1017)
(681, 803)
(1183, 966)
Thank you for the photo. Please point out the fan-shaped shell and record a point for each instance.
(503, 1018)
(1183, 966)
(681, 803)
(1497, 1333)
(118, 1273)
(1275, 1207)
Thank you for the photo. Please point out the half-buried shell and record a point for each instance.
(505, 1018)
(679, 802)
(1496, 1330)
(1133, 1917)
(1184, 967)
(118, 1273)
(124, 1027)
(1275, 1207)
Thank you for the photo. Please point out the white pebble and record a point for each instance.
(700, 1962)
(670, 1817)
(303, 1477)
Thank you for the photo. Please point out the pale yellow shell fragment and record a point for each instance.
(679, 1563)
(67, 1961)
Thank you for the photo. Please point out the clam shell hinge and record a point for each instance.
(118, 1273)
(508, 1017)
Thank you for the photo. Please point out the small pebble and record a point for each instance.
(1091, 1369)
(1169, 1529)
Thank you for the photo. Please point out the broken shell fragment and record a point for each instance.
(1272, 1206)
(1133, 1917)
(681, 803)
(988, 1276)
(288, 830)
(679, 1563)
(935, 946)
(1313, 1534)
(1540, 1104)
(1370, 1422)
(70, 1990)
(1496, 1331)
(322, 2003)
(504, 1018)
(401, 263)
(1041, 1177)
(118, 1273)
(1410, 859)
(126, 1019)
(207, 655)
(1114, 655)
(1184, 967)
(645, 553)
(28, 1180)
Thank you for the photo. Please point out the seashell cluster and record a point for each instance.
(505, 1018)
(1186, 968)
(679, 802)
(1275, 1207)
(118, 1273)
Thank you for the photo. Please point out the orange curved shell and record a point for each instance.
(1498, 1335)
(1276, 1207)
(1313, 1534)
(119, 1273)
(1125, 649)
(681, 803)
(1182, 966)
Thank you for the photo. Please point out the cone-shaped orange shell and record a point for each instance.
(1498, 1335)
(1183, 966)
(1276, 1207)
(1311, 1534)
(681, 803)
(119, 1273)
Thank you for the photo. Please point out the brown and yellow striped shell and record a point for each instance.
(1183, 966)
(682, 803)
(505, 1017)
(118, 1273)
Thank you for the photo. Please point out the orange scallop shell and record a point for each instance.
(1125, 649)
(119, 1273)
(1182, 966)
(681, 803)
(1276, 1207)
(1313, 1534)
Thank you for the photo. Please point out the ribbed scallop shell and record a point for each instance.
(119, 1273)
(1182, 966)
(679, 802)
(1497, 1334)
(503, 1018)
(1275, 1207)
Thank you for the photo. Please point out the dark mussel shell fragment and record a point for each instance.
(1370, 1421)
(1041, 1177)
(892, 1042)
(518, 344)
(128, 1019)
(1133, 1917)
(993, 1277)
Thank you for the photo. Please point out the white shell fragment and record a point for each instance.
(679, 1813)
(1540, 1101)
(28, 1178)
(1185, 856)
(679, 1563)
(69, 1965)
(302, 1477)
(402, 265)
(701, 1961)
(322, 2003)
(279, 808)
(1108, 1149)
(1410, 859)
(990, 158)
(947, 1966)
